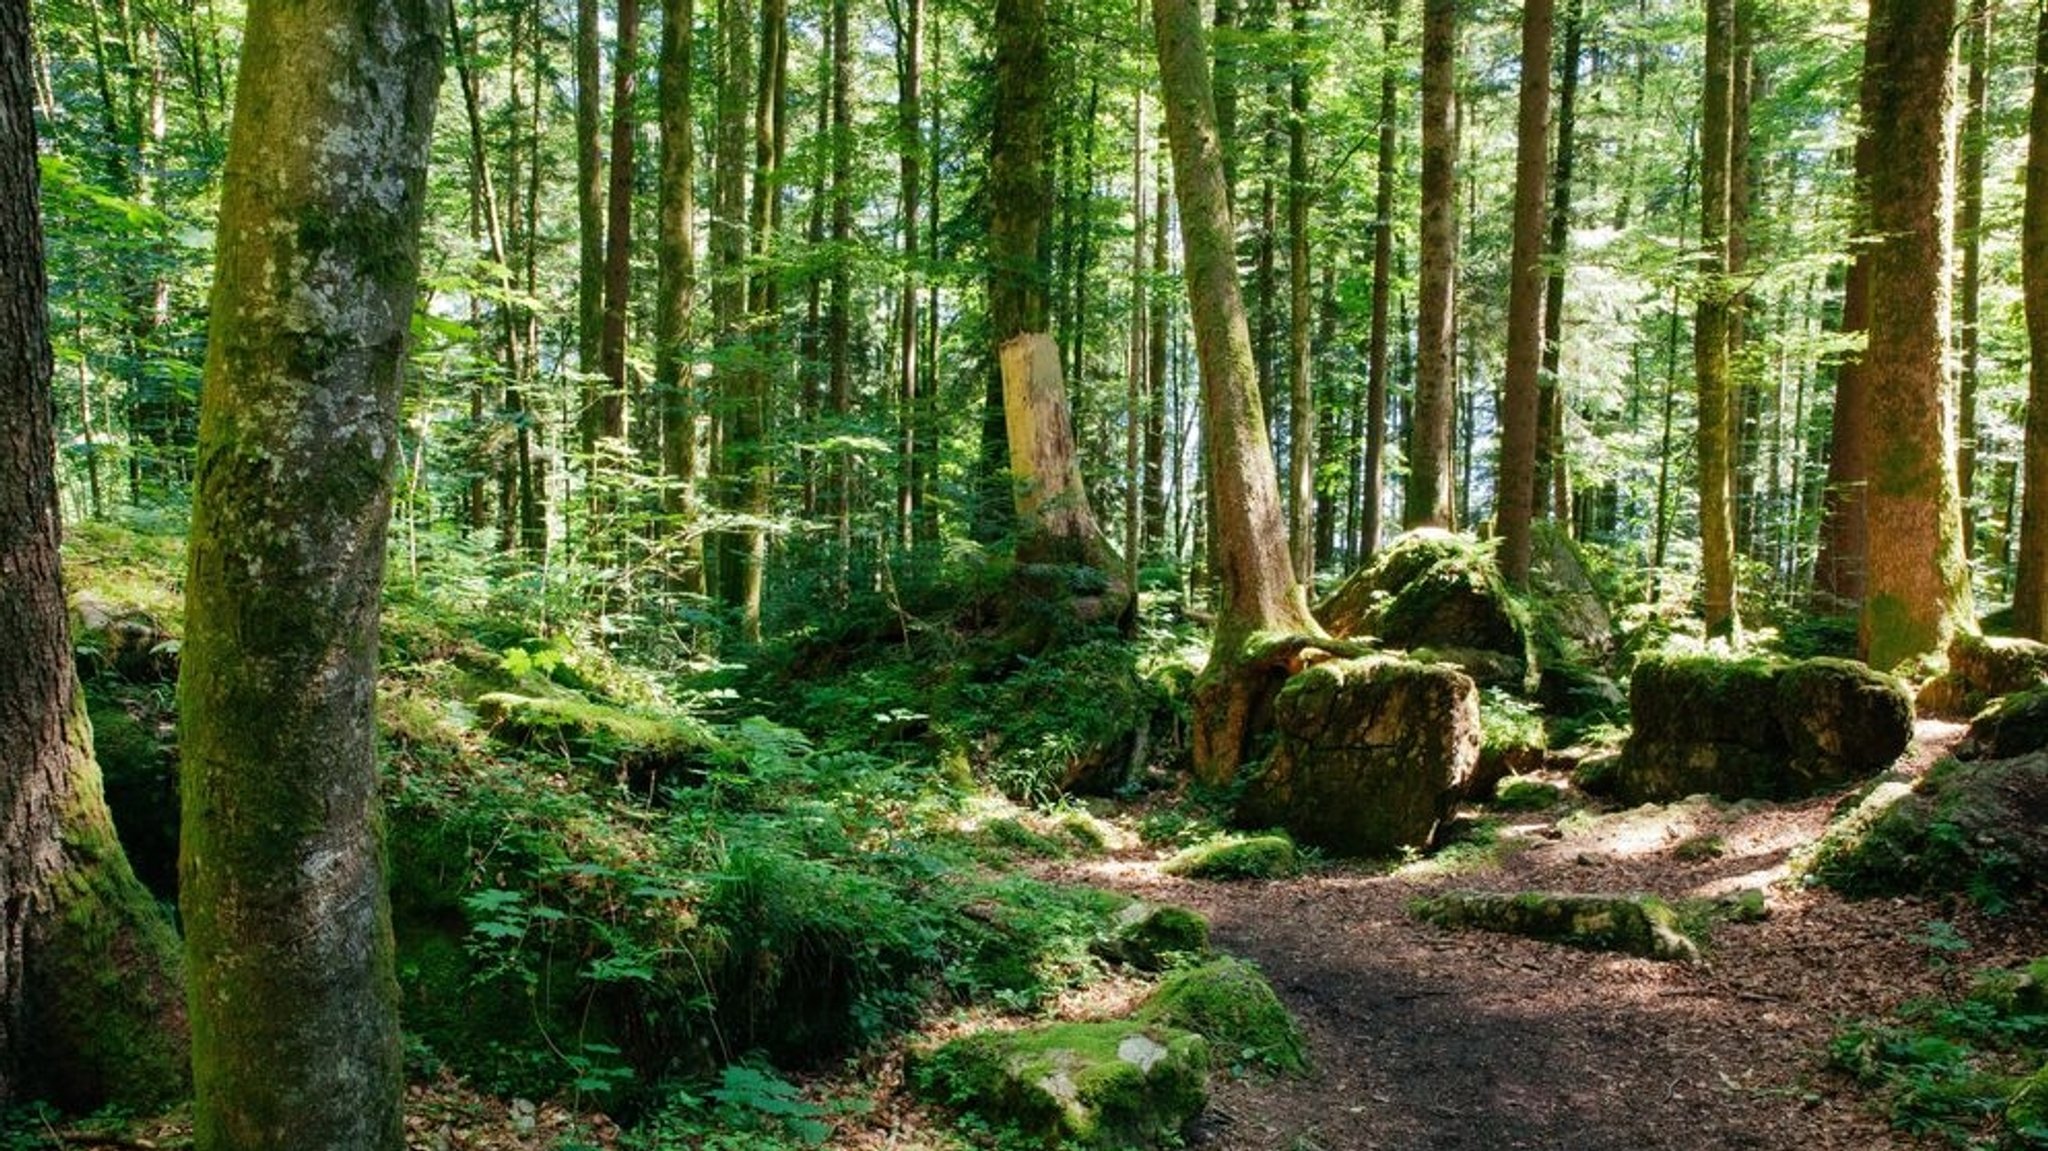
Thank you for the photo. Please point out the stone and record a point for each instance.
(1371, 755)
(1979, 829)
(1842, 720)
(1431, 589)
(646, 748)
(1150, 936)
(1115, 1086)
(121, 639)
(1980, 669)
(1633, 924)
(1237, 857)
(1566, 597)
(2014, 726)
(1229, 1003)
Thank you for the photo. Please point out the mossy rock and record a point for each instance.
(1633, 924)
(2014, 726)
(1842, 721)
(2026, 1112)
(1432, 589)
(1979, 829)
(1528, 795)
(2014, 991)
(1980, 669)
(645, 747)
(1229, 1003)
(1116, 1086)
(1149, 936)
(140, 778)
(1237, 857)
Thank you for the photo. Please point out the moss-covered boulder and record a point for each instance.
(1117, 1086)
(1567, 600)
(1372, 755)
(1436, 590)
(2016, 725)
(1633, 924)
(1980, 669)
(1754, 729)
(1229, 1003)
(1237, 857)
(647, 748)
(121, 639)
(1512, 742)
(1979, 829)
(140, 776)
(1150, 936)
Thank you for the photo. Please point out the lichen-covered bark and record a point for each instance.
(89, 1010)
(292, 993)
(1918, 589)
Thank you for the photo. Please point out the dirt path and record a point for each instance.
(1424, 1038)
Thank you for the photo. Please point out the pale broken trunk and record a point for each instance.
(1045, 468)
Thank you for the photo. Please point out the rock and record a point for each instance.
(1114, 1086)
(1980, 669)
(1751, 729)
(139, 772)
(122, 639)
(1431, 589)
(1511, 742)
(1237, 857)
(1633, 924)
(646, 748)
(1229, 1003)
(1566, 597)
(1372, 755)
(2014, 726)
(1973, 828)
(1149, 936)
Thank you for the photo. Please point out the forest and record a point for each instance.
(1055, 574)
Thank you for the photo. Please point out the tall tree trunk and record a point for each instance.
(287, 924)
(1970, 226)
(609, 419)
(839, 309)
(1919, 590)
(1427, 501)
(910, 421)
(589, 214)
(1844, 548)
(742, 415)
(1227, 51)
(1370, 498)
(1260, 591)
(2030, 581)
(1711, 324)
(1136, 357)
(1301, 407)
(1517, 499)
(1156, 387)
(1553, 471)
(675, 303)
(90, 1009)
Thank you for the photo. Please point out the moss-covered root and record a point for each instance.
(1231, 1005)
(1115, 1086)
(1237, 857)
(1633, 924)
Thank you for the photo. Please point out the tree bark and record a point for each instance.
(675, 303)
(1370, 499)
(1553, 471)
(1301, 407)
(1526, 286)
(90, 1009)
(1918, 592)
(2030, 580)
(288, 929)
(742, 410)
(1970, 227)
(910, 418)
(609, 417)
(1260, 591)
(1711, 325)
(590, 219)
(1427, 501)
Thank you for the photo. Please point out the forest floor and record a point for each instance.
(1427, 1038)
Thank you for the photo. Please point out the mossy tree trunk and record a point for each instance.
(90, 1009)
(1526, 287)
(1918, 588)
(1712, 323)
(2030, 586)
(1264, 618)
(1427, 501)
(608, 418)
(288, 928)
(1368, 530)
(589, 212)
(675, 302)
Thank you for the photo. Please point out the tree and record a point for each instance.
(1261, 595)
(1301, 440)
(742, 413)
(73, 1027)
(1711, 323)
(1382, 289)
(2030, 584)
(1526, 287)
(288, 930)
(1553, 473)
(1918, 589)
(675, 298)
(608, 418)
(1970, 229)
(1428, 498)
(590, 217)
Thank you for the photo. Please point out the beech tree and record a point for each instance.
(74, 1027)
(287, 924)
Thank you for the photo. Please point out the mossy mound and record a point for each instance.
(1437, 590)
(1237, 857)
(1633, 924)
(1754, 729)
(1511, 742)
(647, 748)
(1229, 1003)
(1979, 829)
(2014, 726)
(1980, 669)
(1150, 936)
(1528, 795)
(140, 777)
(1117, 1086)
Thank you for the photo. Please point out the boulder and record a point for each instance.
(645, 747)
(1371, 755)
(2015, 725)
(1566, 596)
(1982, 668)
(1633, 924)
(1752, 729)
(1231, 1005)
(121, 639)
(1150, 936)
(1236, 857)
(1979, 829)
(1116, 1086)
(1433, 589)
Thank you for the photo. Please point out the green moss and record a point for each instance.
(1527, 795)
(1151, 936)
(1897, 632)
(1634, 924)
(1234, 857)
(1229, 1003)
(1114, 1086)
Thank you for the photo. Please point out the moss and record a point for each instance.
(1235, 857)
(2016, 725)
(1528, 795)
(1634, 924)
(141, 787)
(1229, 1003)
(647, 748)
(1974, 829)
(1113, 1086)
(2027, 1110)
(1150, 936)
